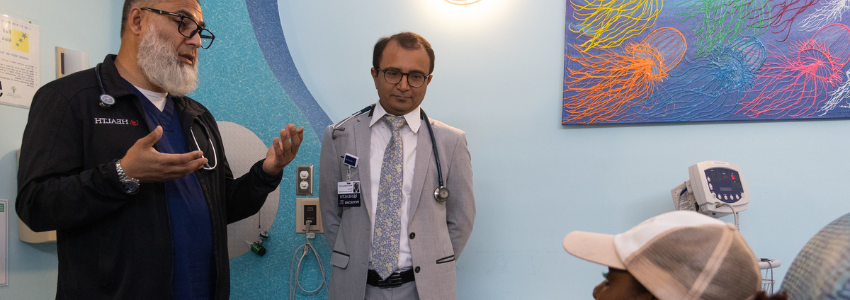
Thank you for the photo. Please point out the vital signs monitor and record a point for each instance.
(715, 188)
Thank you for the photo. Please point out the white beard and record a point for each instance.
(162, 66)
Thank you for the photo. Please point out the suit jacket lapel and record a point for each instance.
(363, 142)
(424, 162)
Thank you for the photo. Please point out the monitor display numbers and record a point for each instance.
(725, 184)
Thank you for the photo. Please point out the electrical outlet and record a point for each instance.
(308, 209)
(304, 180)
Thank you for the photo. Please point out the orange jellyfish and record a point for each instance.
(795, 85)
(608, 84)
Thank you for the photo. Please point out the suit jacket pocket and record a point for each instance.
(446, 259)
(339, 259)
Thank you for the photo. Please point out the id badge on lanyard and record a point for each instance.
(348, 192)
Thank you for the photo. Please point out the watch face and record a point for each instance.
(130, 186)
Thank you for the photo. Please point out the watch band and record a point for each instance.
(129, 184)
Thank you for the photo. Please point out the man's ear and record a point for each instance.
(134, 18)
(375, 77)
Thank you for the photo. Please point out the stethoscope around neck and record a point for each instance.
(107, 101)
(442, 192)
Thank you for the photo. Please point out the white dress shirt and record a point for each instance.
(381, 135)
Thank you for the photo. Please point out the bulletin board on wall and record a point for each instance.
(19, 59)
(654, 61)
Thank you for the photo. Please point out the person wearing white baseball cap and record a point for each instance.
(678, 255)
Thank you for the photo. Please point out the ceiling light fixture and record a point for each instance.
(462, 2)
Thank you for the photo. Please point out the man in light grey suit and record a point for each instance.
(394, 239)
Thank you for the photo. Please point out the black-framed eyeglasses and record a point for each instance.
(414, 79)
(188, 27)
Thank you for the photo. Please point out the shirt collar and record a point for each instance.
(412, 117)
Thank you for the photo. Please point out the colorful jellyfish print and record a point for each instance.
(609, 23)
(795, 85)
(782, 14)
(717, 22)
(837, 96)
(609, 84)
(712, 86)
(831, 11)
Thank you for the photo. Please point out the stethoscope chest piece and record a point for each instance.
(106, 101)
(441, 194)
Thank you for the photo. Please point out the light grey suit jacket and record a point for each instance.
(438, 231)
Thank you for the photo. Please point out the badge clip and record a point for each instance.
(350, 160)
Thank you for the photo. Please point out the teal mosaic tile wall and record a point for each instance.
(263, 92)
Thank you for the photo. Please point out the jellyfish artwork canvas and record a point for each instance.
(655, 61)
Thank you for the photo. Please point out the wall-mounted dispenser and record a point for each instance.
(70, 61)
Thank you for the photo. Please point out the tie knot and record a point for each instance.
(395, 122)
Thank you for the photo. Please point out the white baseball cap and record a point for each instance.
(677, 255)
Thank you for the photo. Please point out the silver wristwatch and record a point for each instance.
(129, 184)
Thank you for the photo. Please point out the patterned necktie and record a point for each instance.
(388, 214)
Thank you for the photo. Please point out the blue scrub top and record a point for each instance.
(191, 228)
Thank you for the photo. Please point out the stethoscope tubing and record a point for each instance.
(106, 100)
(209, 138)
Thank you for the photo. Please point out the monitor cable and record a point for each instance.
(294, 277)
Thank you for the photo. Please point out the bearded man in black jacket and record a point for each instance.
(136, 183)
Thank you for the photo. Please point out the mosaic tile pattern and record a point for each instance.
(266, 23)
(239, 85)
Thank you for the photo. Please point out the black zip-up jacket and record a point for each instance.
(113, 245)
